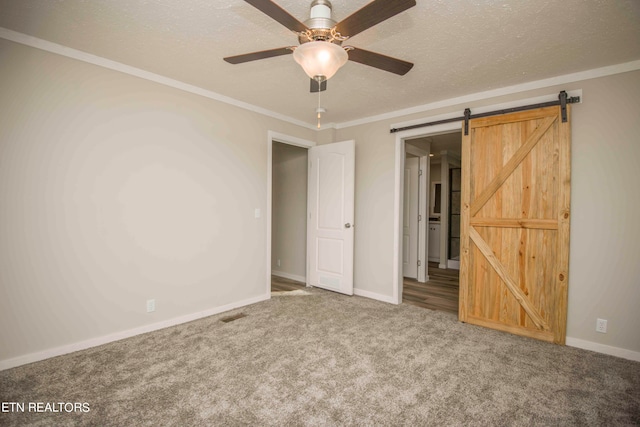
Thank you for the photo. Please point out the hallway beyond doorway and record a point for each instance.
(280, 284)
(439, 293)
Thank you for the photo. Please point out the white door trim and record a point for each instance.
(398, 195)
(423, 203)
(423, 254)
(285, 139)
(411, 219)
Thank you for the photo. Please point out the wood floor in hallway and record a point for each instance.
(280, 284)
(439, 293)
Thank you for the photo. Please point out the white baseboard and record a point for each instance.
(571, 342)
(289, 276)
(602, 348)
(94, 342)
(373, 295)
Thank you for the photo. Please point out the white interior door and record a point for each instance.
(410, 220)
(330, 228)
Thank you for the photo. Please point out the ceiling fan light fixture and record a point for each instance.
(320, 59)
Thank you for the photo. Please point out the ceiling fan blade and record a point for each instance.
(254, 56)
(372, 14)
(317, 87)
(279, 14)
(382, 62)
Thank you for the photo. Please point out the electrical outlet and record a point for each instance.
(601, 325)
(151, 305)
(278, 262)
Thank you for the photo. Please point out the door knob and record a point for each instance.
(347, 225)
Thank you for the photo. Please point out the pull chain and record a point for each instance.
(319, 109)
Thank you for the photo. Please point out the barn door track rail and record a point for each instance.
(563, 100)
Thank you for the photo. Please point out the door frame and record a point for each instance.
(400, 150)
(423, 202)
(272, 137)
(431, 131)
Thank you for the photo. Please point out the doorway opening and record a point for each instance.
(415, 196)
(440, 288)
(287, 160)
(328, 242)
(288, 217)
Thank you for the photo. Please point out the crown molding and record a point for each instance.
(508, 90)
(79, 55)
(51, 47)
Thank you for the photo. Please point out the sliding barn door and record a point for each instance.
(515, 223)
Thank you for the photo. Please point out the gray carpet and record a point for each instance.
(324, 359)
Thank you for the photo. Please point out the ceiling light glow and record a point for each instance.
(320, 59)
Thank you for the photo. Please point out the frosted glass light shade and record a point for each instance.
(320, 59)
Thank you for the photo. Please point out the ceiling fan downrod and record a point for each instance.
(320, 25)
(320, 15)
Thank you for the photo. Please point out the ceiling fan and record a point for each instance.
(320, 52)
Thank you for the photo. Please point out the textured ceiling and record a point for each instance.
(459, 47)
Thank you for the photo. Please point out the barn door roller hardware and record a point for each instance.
(562, 101)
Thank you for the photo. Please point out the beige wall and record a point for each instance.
(374, 195)
(115, 190)
(289, 210)
(604, 275)
(605, 231)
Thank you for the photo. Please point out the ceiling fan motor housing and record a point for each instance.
(319, 23)
(320, 16)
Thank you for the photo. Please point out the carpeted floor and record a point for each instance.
(325, 359)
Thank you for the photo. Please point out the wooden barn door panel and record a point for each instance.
(515, 223)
